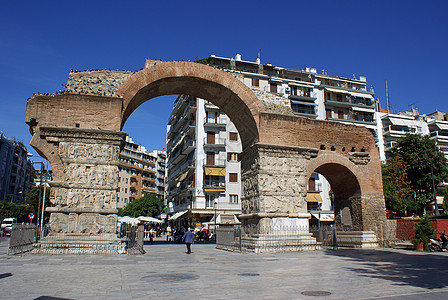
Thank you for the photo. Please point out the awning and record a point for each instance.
(224, 219)
(323, 216)
(177, 215)
(183, 176)
(337, 91)
(403, 122)
(369, 110)
(442, 126)
(149, 220)
(313, 197)
(215, 171)
(361, 95)
(303, 103)
(128, 220)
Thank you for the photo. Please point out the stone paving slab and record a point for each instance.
(166, 271)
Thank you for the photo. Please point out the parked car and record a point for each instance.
(7, 225)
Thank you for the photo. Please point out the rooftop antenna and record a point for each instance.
(387, 99)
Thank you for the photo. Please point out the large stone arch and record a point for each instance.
(79, 132)
(197, 80)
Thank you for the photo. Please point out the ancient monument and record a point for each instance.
(79, 132)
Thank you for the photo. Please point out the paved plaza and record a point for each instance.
(167, 272)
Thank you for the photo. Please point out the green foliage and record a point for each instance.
(397, 190)
(423, 232)
(445, 202)
(21, 210)
(418, 154)
(148, 206)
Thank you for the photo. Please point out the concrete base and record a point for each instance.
(271, 243)
(78, 244)
(357, 239)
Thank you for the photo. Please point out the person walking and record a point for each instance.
(188, 238)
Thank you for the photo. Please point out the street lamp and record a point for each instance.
(425, 156)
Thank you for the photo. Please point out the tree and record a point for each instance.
(419, 154)
(423, 232)
(445, 202)
(397, 189)
(21, 210)
(149, 206)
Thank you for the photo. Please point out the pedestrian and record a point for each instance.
(188, 238)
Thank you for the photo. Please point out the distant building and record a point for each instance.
(16, 170)
(140, 173)
(6, 157)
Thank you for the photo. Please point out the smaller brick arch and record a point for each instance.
(197, 80)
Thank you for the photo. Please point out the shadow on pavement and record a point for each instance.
(425, 270)
(163, 242)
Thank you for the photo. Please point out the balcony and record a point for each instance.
(398, 130)
(214, 185)
(361, 119)
(214, 142)
(439, 136)
(217, 162)
(215, 122)
(388, 145)
(346, 102)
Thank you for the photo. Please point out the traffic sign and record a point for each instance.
(30, 216)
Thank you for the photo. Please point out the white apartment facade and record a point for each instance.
(203, 168)
(141, 172)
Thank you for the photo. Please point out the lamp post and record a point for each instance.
(436, 208)
(214, 228)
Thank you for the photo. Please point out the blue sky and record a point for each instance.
(405, 42)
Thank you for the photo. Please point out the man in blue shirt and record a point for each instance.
(188, 238)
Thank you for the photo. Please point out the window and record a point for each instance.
(210, 160)
(255, 82)
(210, 137)
(233, 198)
(209, 200)
(233, 136)
(340, 114)
(118, 189)
(212, 117)
(273, 87)
(233, 177)
(312, 184)
(328, 113)
(231, 156)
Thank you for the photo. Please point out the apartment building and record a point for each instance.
(203, 168)
(140, 173)
(16, 170)
(306, 91)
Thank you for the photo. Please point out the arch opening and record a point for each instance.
(220, 88)
(344, 194)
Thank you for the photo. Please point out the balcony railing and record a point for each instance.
(399, 129)
(221, 121)
(216, 142)
(217, 162)
(213, 184)
(439, 134)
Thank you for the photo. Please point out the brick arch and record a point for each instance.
(197, 80)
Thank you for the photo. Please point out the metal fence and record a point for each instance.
(135, 238)
(23, 236)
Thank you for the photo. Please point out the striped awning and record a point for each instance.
(215, 171)
(313, 197)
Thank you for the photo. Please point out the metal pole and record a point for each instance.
(40, 193)
(43, 209)
(387, 99)
(436, 212)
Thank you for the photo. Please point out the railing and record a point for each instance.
(221, 121)
(220, 142)
(23, 236)
(212, 184)
(218, 162)
(439, 134)
(399, 129)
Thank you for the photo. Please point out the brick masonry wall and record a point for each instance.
(405, 227)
